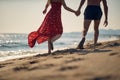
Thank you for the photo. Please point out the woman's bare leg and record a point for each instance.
(49, 46)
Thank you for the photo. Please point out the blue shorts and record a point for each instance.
(93, 12)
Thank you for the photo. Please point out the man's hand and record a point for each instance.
(105, 23)
(77, 13)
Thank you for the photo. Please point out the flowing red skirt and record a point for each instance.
(50, 28)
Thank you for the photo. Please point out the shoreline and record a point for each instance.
(37, 52)
(68, 64)
(12, 46)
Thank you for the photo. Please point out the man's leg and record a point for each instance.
(86, 27)
(96, 31)
(85, 30)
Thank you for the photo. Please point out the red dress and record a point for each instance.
(50, 28)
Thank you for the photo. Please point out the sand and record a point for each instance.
(69, 64)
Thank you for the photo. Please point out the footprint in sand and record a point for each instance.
(64, 68)
(113, 54)
(26, 66)
(46, 66)
(57, 57)
(19, 68)
(5, 64)
(102, 78)
(53, 77)
(1, 66)
(33, 62)
(74, 60)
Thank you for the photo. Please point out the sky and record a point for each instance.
(24, 16)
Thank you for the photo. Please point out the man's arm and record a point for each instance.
(79, 9)
(81, 4)
(105, 12)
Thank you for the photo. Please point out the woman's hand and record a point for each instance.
(44, 11)
(77, 13)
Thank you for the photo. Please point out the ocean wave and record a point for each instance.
(19, 52)
(11, 45)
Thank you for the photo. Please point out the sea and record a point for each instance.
(15, 45)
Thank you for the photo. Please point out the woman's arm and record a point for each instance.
(47, 5)
(66, 7)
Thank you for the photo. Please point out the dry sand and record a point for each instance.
(68, 64)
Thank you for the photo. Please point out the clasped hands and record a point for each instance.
(77, 13)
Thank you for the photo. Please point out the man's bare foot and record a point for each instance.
(80, 46)
(49, 52)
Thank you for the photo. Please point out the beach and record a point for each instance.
(28, 28)
(103, 63)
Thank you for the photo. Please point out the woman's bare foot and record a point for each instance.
(51, 44)
(49, 47)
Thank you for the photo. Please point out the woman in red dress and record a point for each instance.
(51, 28)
